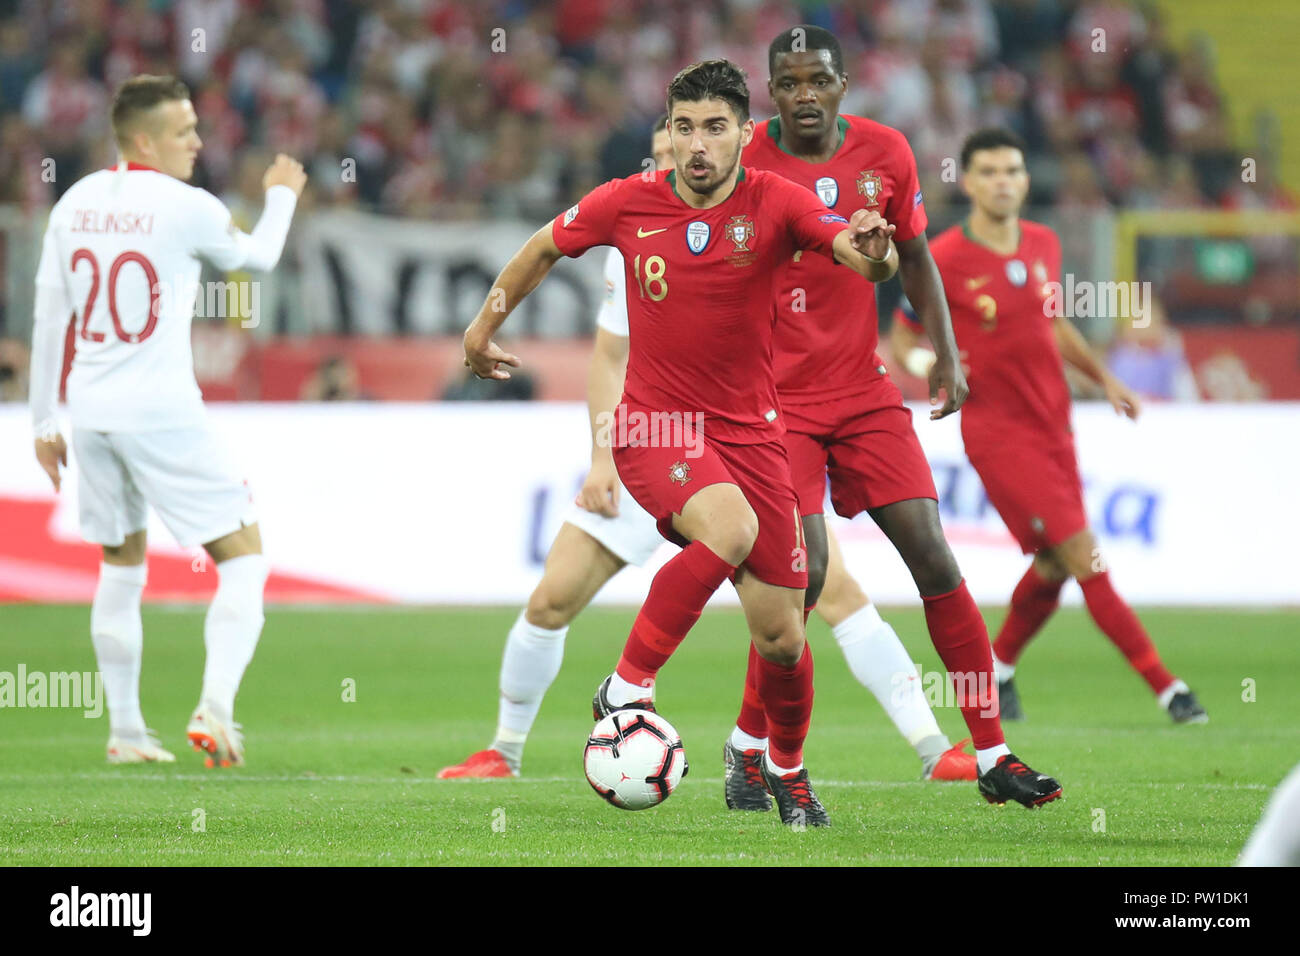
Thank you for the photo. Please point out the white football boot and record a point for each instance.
(220, 739)
(141, 748)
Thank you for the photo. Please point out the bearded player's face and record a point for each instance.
(707, 138)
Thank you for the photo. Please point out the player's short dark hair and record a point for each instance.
(711, 80)
(660, 125)
(140, 94)
(811, 38)
(991, 137)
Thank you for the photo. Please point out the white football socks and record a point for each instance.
(986, 760)
(780, 771)
(1002, 671)
(881, 664)
(231, 629)
(622, 692)
(743, 741)
(1167, 695)
(528, 668)
(118, 636)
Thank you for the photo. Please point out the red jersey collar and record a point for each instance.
(130, 166)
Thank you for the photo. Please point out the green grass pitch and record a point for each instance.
(330, 781)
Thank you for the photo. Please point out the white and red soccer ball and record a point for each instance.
(634, 759)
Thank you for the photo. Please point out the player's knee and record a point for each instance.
(1049, 567)
(934, 569)
(734, 538)
(551, 607)
(783, 647)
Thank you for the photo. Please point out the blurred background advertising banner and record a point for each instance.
(374, 275)
(457, 503)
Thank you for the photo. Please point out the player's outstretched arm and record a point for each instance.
(49, 322)
(266, 241)
(599, 492)
(522, 274)
(218, 241)
(1076, 350)
(924, 289)
(867, 247)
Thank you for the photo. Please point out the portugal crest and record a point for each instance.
(740, 229)
(870, 186)
(827, 190)
(679, 472)
(1017, 273)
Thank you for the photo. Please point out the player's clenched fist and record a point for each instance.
(599, 492)
(870, 233)
(285, 171)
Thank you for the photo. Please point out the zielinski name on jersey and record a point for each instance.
(117, 222)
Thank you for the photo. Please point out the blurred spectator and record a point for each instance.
(1150, 360)
(19, 63)
(520, 387)
(1193, 106)
(335, 380)
(15, 361)
(70, 109)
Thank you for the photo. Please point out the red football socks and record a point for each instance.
(959, 635)
(677, 595)
(752, 719)
(1032, 603)
(1120, 624)
(787, 696)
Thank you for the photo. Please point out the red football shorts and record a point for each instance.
(865, 443)
(663, 479)
(1034, 485)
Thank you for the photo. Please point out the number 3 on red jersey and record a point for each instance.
(151, 277)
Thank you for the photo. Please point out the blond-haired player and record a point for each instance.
(121, 256)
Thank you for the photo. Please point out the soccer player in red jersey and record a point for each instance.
(843, 414)
(999, 272)
(697, 440)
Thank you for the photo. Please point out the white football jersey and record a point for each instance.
(121, 254)
(612, 316)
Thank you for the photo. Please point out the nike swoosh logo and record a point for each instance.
(976, 283)
(641, 233)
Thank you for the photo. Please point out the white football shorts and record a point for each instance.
(631, 535)
(187, 475)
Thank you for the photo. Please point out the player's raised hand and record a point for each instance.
(599, 493)
(1123, 399)
(285, 171)
(947, 376)
(485, 360)
(51, 453)
(870, 233)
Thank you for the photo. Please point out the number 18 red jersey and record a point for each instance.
(700, 289)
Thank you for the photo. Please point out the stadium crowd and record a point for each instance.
(501, 108)
(454, 110)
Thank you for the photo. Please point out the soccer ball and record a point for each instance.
(634, 759)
